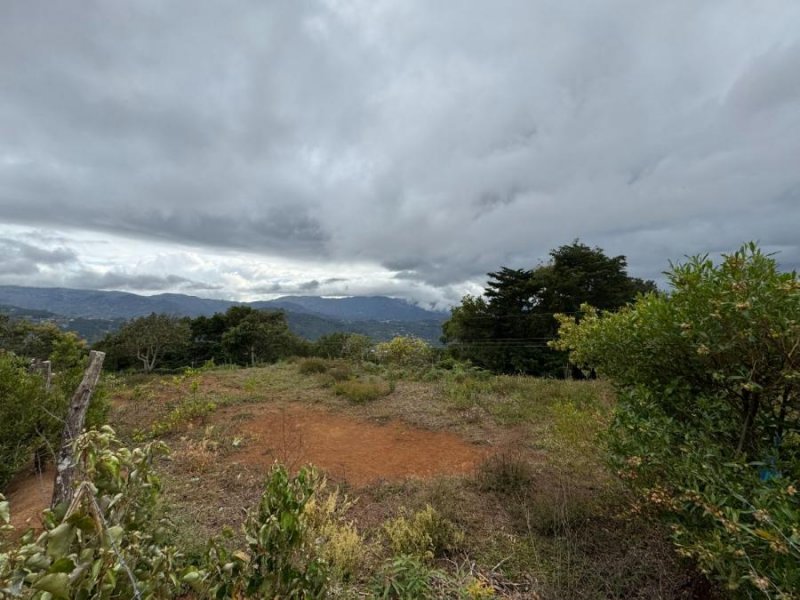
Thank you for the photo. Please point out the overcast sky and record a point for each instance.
(246, 149)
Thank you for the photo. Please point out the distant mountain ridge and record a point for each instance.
(98, 304)
(380, 317)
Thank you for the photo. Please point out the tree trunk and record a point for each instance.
(73, 427)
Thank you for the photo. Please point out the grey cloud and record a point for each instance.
(115, 280)
(21, 258)
(437, 140)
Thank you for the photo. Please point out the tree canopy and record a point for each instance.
(507, 329)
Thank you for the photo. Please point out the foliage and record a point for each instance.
(27, 415)
(281, 560)
(708, 425)
(353, 346)
(31, 416)
(25, 338)
(426, 534)
(312, 366)
(102, 545)
(255, 336)
(362, 390)
(149, 338)
(341, 546)
(405, 351)
(404, 577)
(507, 329)
(178, 418)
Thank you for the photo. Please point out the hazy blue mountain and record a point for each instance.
(92, 313)
(355, 308)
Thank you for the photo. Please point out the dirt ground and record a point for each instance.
(28, 495)
(349, 449)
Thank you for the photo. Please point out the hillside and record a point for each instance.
(92, 313)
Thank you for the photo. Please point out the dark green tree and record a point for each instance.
(507, 329)
(150, 338)
(255, 336)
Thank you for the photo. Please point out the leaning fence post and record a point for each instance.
(65, 464)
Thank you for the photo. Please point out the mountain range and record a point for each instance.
(92, 313)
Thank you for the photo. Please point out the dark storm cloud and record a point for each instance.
(439, 140)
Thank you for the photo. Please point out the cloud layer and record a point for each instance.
(397, 146)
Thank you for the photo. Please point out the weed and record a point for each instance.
(312, 366)
(404, 578)
(177, 418)
(340, 373)
(362, 390)
(341, 545)
(505, 473)
(426, 534)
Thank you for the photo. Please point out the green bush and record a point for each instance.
(282, 559)
(405, 351)
(708, 423)
(104, 544)
(28, 416)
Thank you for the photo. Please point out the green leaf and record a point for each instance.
(5, 512)
(56, 584)
(62, 565)
(58, 540)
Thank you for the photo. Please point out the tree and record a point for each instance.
(256, 336)
(708, 423)
(149, 338)
(343, 345)
(507, 329)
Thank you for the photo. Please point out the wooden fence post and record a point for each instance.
(73, 427)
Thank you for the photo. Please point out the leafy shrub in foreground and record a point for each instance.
(103, 544)
(281, 559)
(708, 424)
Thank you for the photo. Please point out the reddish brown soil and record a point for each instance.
(28, 496)
(347, 448)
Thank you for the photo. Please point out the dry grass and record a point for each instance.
(542, 519)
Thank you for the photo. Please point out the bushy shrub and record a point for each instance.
(426, 534)
(405, 351)
(352, 346)
(25, 420)
(103, 545)
(282, 559)
(340, 544)
(708, 423)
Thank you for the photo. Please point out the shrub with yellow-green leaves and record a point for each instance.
(707, 428)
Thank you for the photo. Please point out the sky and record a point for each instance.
(249, 149)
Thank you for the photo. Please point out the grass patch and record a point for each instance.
(505, 473)
(312, 366)
(364, 390)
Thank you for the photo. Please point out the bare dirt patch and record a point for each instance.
(354, 450)
(28, 495)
